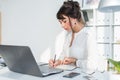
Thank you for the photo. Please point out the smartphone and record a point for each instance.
(71, 75)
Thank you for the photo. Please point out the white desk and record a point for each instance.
(5, 74)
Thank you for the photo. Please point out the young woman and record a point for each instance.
(75, 48)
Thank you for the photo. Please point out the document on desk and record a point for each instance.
(66, 67)
(63, 67)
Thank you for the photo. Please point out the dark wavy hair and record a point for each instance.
(71, 9)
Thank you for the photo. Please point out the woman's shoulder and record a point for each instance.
(61, 35)
(89, 30)
(82, 31)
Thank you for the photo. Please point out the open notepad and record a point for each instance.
(63, 67)
(66, 67)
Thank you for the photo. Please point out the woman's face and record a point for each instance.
(65, 23)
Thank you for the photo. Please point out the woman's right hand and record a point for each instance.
(53, 63)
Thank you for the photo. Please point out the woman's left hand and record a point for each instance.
(69, 60)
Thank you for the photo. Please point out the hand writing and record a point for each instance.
(53, 63)
(69, 60)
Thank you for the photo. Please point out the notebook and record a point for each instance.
(21, 60)
(66, 67)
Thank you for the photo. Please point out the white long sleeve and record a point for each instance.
(83, 48)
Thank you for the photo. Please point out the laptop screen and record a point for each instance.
(20, 59)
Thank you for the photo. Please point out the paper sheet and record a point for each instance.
(66, 67)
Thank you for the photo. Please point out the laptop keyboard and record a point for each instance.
(45, 69)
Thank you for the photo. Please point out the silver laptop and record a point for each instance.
(20, 59)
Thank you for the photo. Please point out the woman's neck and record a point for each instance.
(78, 27)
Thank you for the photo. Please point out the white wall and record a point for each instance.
(30, 22)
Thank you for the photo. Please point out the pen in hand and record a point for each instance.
(54, 59)
(55, 62)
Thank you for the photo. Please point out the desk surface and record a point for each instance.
(6, 74)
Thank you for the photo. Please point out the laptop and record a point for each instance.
(20, 59)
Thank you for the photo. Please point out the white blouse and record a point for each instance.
(83, 48)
